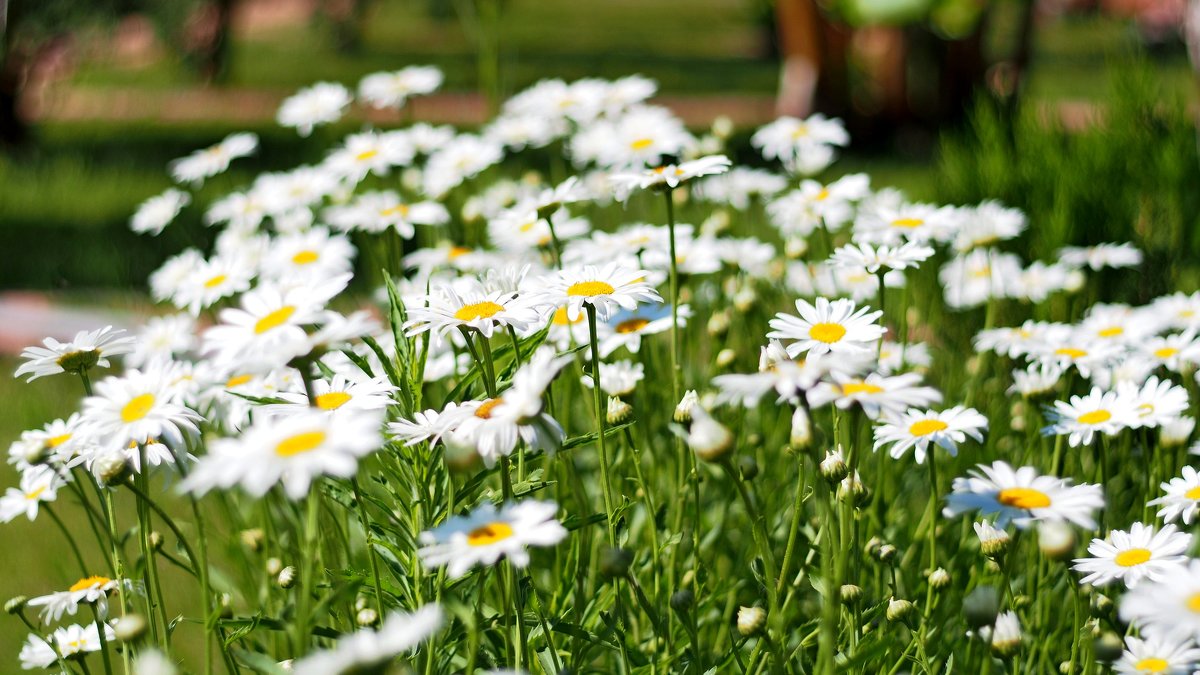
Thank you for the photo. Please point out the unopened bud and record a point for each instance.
(1102, 603)
(885, 552)
(992, 542)
(460, 453)
(683, 410)
(748, 467)
(833, 467)
(16, 604)
(745, 298)
(274, 566)
(801, 435)
(1006, 635)
(1056, 539)
(253, 539)
(614, 562)
(366, 618)
(722, 127)
(155, 539)
(750, 620)
(851, 593)
(619, 411)
(287, 577)
(939, 578)
(795, 248)
(130, 627)
(718, 324)
(112, 468)
(1108, 647)
(898, 609)
(872, 546)
(681, 601)
(726, 357)
(1016, 416)
(708, 438)
(851, 489)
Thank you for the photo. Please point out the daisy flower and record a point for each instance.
(162, 339)
(73, 641)
(392, 89)
(640, 136)
(865, 256)
(605, 288)
(316, 253)
(1106, 412)
(377, 211)
(1172, 352)
(1134, 556)
(157, 212)
(894, 357)
(454, 162)
(471, 306)
(917, 429)
(291, 450)
(617, 379)
(487, 535)
(211, 280)
(1085, 355)
(828, 327)
(877, 394)
(894, 224)
(1101, 255)
(1155, 403)
(1171, 653)
(369, 152)
(987, 224)
(1165, 606)
(803, 146)
(136, 408)
(627, 327)
(430, 425)
(38, 484)
(341, 393)
(214, 159)
(667, 176)
(322, 103)
(370, 649)
(983, 274)
(1036, 380)
(1182, 498)
(86, 350)
(800, 212)
(1023, 497)
(89, 590)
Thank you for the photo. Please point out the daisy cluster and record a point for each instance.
(465, 419)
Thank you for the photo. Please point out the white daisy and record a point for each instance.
(865, 256)
(214, 159)
(876, 394)
(157, 212)
(1134, 556)
(828, 327)
(668, 176)
(619, 378)
(470, 305)
(88, 349)
(1155, 403)
(1106, 412)
(322, 103)
(1169, 653)
(38, 484)
(1101, 255)
(89, 591)
(1023, 497)
(604, 288)
(1182, 498)
(802, 146)
(917, 429)
(392, 89)
(487, 535)
(1168, 605)
(136, 408)
(369, 649)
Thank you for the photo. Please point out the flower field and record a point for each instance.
(578, 391)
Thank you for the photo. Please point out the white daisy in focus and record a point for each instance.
(214, 159)
(86, 591)
(604, 288)
(136, 408)
(917, 429)
(1182, 498)
(292, 450)
(836, 327)
(1134, 556)
(88, 349)
(1023, 497)
(472, 306)
(341, 393)
(393, 89)
(1106, 412)
(487, 535)
(322, 103)
(1169, 653)
(369, 649)
(154, 214)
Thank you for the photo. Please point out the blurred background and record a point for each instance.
(1080, 112)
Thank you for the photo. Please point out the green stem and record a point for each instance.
(598, 396)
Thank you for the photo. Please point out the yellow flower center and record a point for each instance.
(1071, 352)
(641, 143)
(397, 210)
(457, 251)
(852, 388)
(589, 289)
(632, 325)
(89, 582)
(484, 411)
(822, 195)
(137, 408)
(300, 443)
(237, 380)
(37, 492)
(827, 332)
(801, 131)
(1132, 557)
(365, 155)
(478, 310)
(1193, 602)
(561, 318)
(1095, 417)
(909, 223)
(1166, 352)
(1111, 331)
(55, 441)
(305, 257)
(332, 400)
(1152, 665)
(1023, 498)
(274, 319)
(1194, 493)
(489, 534)
(926, 427)
(215, 281)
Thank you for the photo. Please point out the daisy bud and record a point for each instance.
(79, 361)
(112, 468)
(37, 454)
(274, 566)
(1017, 416)
(366, 618)
(708, 438)
(851, 489)
(726, 357)
(1056, 539)
(253, 539)
(992, 542)
(1006, 635)
(1102, 603)
(130, 627)
(745, 299)
(722, 127)
(1074, 281)
(748, 467)
(991, 566)
(681, 601)
(689, 579)
(850, 593)
(614, 562)
(981, 606)
(750, 620)
(15, 605)
(795, 248)
(287, 577)
(225, 602)
(718, 323)
(939, 578)
(716, 223)
(155, 539)
(801, 436)
(411, 178)
(833, 467)
(1175, 433)
(472, 210)
(872, 546)
(1108, 647)
(885, 552)
(898, 609)
(619, 411)
(683, 411)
